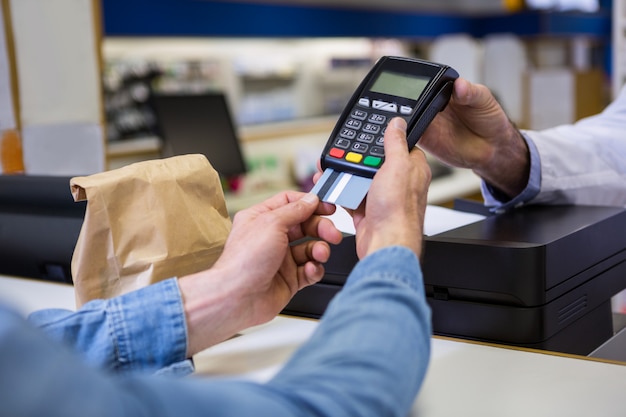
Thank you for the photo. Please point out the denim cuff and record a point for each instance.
(394, 263)
(148, 327)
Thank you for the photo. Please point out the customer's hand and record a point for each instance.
(264, 263)
(474, 132)
(393, 212)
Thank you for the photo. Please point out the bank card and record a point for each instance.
(341, 188)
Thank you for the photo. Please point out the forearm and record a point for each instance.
(214, 309)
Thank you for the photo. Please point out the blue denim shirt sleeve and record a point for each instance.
(144, 330)
(499, 202)
(372, 347)
(368, 357)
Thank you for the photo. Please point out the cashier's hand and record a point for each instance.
(393, 211)
(263, 265)
(474, 132)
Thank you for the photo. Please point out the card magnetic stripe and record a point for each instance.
(325, 183)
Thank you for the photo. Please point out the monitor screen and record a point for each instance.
(39, 226)
(199, 123)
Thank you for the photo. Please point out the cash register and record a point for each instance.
(39, 227)
(539, 277)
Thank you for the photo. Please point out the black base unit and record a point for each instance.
(39, 227)
(539, 277)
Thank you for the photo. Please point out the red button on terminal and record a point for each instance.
(336, 153)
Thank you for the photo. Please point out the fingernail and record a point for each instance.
(398, 123)
(310, 198)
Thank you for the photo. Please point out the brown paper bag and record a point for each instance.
(146, 222)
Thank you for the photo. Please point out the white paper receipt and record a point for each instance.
(437, 220)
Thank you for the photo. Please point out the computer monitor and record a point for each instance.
(39, 226)
(199, 123)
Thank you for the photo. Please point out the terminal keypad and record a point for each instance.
(361, 138)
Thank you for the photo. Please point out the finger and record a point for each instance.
(312, 272)
(301, 222)
(476, 96)
(318, 227)
(286, 198)
(323, 209)
(281, 199)
(311, 250)
(395, 139)
(461, 93)
(309, 258)
(308, 274)
(287, 215)
(326, 209)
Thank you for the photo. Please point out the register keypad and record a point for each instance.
(361, 138)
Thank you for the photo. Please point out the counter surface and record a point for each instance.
(464, 378)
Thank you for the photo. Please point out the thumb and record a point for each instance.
(395, 138)
(310, 199)
(462, 91)
(299, 210)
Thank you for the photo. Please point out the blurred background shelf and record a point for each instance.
(342, 18)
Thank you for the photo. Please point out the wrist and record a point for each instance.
(211, 309)
(507, 166)
(404, 235)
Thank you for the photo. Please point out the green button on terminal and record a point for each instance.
(372, 161)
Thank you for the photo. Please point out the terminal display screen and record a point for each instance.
(401, 85)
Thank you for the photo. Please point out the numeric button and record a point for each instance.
(348, 133)
(365, 137)
(359, 114)
(359, 147)
(377, 118)
(353, 124)
(371, 128)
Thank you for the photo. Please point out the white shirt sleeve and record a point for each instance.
(585, 162)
